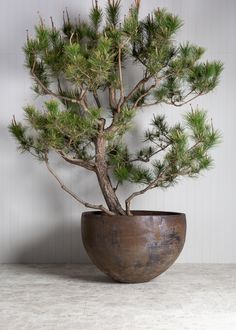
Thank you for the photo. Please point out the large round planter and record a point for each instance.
(133, 249)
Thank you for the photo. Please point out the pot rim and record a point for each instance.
(135, 213)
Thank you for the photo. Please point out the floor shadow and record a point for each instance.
(59, 253)
(59, 244)
(72, 272)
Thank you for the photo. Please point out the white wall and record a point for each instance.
(39, 222)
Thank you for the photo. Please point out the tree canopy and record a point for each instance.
(89, 108)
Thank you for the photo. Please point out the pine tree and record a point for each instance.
(82, 63)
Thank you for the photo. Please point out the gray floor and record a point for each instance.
(79, 297)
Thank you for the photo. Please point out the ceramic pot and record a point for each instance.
(133, 249)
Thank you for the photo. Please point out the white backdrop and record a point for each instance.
(39, 222)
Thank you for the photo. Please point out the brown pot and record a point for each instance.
(133, 249)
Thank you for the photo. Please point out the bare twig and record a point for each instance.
(76, 197)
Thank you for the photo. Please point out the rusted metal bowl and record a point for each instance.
(133, 249)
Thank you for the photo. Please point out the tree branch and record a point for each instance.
(50, 92)
(116, 186)
(121, 100)
(173, 103)
(85, 164)
(112, 98)
(112, 126)
(149, 104)
(76, 197)
(96, 98)
(183, 103)
(152, 184)
(61, 97)
(136, 87)
(141, 82)
(137, 193)
(151, 155)
(144, 94)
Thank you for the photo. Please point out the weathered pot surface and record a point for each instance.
(133, 249)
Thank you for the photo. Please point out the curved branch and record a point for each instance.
(76, 197)
(144, 94)
(137, 193)
(151, 185)
(172, 103)
(136, 87)
(185, 102)
(89, 165)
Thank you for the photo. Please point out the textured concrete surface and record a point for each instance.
(79, 297)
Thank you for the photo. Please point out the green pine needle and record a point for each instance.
(96, 16)
(113, 12)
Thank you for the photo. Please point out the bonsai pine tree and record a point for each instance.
(89, 109)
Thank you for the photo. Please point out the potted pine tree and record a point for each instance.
(88, 111)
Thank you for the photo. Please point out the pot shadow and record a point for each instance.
(59, 253)
(70, 272)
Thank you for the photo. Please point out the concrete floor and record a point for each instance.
(79, 297)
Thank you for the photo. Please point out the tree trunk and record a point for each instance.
(108, 192)
(104, 180)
